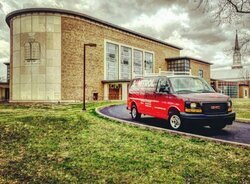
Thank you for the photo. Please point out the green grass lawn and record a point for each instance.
(242, 108)
(61, 144)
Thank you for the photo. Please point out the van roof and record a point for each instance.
(193, 76)
(168, 76)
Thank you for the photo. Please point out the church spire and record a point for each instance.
(237, 54)
(236, 42)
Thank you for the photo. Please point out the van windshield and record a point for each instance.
(190, 85)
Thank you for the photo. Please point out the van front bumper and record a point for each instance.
(206, 119)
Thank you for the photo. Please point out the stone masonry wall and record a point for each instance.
(35, 63)
(76, 32)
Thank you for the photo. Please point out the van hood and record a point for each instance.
(204, 97)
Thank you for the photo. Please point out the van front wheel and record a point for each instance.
(175, 122)
(134, 113)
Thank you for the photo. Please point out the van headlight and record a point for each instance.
(193, 107)
(229, 106)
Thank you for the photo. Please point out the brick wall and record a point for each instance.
(242, 91)
(196, 66)
(76, 32)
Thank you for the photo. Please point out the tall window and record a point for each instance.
(246, 93)
(200, 73)
(138, 62)
(112, 61)
(148, 62)
(8, 72)
(179, 65)
(126, 60)
(32, 51)
(228, 88)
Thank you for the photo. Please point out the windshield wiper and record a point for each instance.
(205, 91)
(185, 91)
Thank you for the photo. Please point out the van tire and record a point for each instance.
(134, 113)
(217, 126)
(174, 121)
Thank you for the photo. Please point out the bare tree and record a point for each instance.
(245, 73)
(225, 11)
(233, 12)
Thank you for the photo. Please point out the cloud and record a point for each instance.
(160, 20)
(4, 42)
(175, 21)
(190, 48)
(209, 36)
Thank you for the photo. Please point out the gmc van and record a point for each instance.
(181, 100)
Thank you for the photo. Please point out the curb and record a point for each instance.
(242, 120)
(174, 132)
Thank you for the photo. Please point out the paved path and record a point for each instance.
(238, 132)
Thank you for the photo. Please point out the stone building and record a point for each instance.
(4, 86)
(46, 62)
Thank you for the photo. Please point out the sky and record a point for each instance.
(177, 22)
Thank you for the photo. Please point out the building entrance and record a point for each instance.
(114, 92)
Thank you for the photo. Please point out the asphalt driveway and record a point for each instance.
(238, 132)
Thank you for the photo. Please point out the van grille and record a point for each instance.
(214, 108)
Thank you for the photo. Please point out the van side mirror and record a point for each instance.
(164, 89)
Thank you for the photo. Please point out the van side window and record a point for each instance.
(163, 83)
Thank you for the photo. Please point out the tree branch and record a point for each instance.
(236, 7)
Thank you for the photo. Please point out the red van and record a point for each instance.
(180, 99)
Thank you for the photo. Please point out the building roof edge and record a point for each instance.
(81, 15)
(187, 57)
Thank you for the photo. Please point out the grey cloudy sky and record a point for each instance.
(174, 21)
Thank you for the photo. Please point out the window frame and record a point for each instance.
(182, 65)
(118, 60)
(130, 62)
(245, 93)
(145, 62)
(132, 58)
(201, 73)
